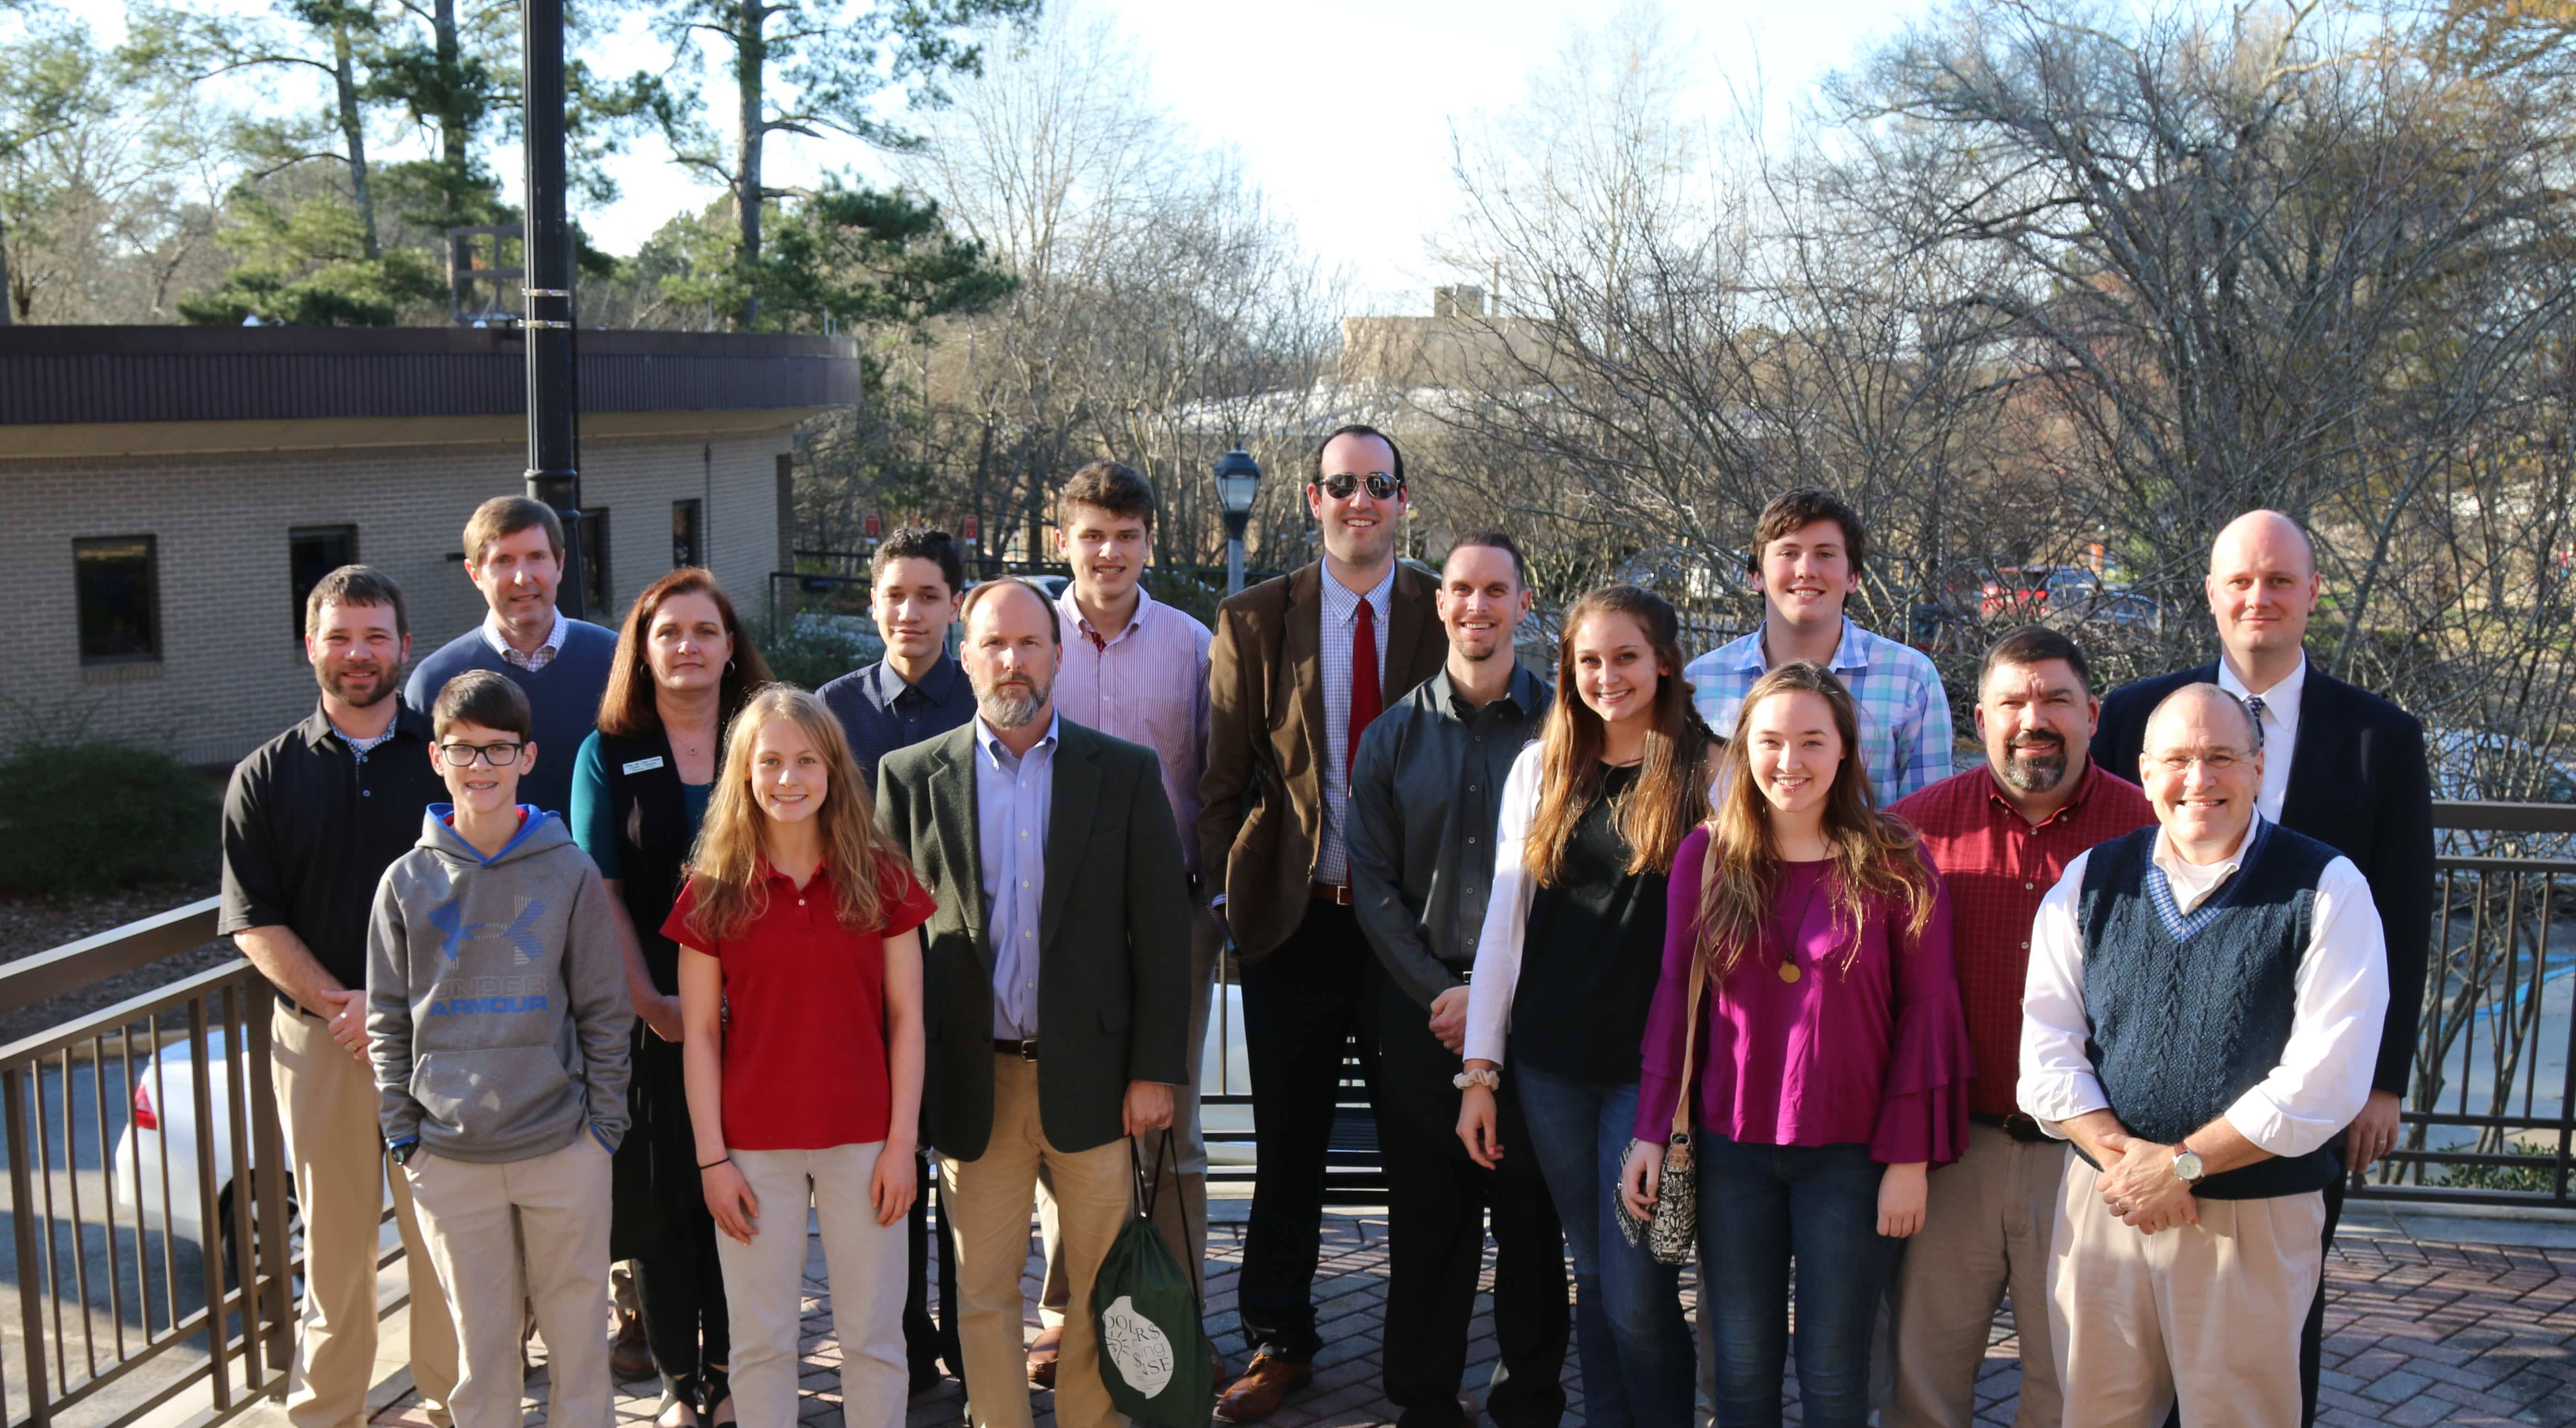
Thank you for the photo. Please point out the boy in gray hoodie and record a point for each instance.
(498, 1020)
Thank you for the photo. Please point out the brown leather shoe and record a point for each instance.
(1262, 1388)
(1042, 1356)
(629, 1357)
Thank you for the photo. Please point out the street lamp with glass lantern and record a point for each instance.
(1238, 480)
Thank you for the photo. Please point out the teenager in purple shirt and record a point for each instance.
(1835, 1050)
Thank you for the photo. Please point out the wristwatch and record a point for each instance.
(402, 1150)
(2186, 1164)
(1490, 1079)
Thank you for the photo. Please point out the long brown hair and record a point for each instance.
(626, 708)
(1671, 792)
(1873, 853)
(725, 868)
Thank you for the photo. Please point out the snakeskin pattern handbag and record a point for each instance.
(1672, 1235)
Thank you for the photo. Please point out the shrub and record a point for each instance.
(94, 815)
(810, 649)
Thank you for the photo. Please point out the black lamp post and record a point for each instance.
(554, 398)
(1238, 480)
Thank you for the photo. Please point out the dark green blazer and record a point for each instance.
(1113, 937)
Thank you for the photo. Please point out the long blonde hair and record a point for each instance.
(1873, 853)
(725, 868)
(1671, 792)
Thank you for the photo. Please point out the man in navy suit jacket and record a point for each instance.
(2341, 765)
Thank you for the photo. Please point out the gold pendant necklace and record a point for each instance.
(1790, 971)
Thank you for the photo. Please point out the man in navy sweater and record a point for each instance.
(514, 555)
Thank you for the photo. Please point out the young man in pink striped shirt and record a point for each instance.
(1135, 669)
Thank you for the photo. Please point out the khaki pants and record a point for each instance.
(764, 1285)
(987, 1203)
(2208, 1313)
(1180, 1207)
(522, 1231)
(1986, 1228)
(327, 1101)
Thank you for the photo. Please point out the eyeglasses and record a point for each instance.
(1380, 485)
(2217, 761)
(461, 756)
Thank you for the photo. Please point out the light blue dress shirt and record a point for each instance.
(1014, 795)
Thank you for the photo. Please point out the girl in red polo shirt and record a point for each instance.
(800, 998)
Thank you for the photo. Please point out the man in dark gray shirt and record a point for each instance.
(1426, 798)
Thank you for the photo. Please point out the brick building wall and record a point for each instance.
(232, 671)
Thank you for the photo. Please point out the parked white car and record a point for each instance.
(163, 1122)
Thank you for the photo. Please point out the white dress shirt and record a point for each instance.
(2323, 1078)
(1498, 947)
(2280, 729)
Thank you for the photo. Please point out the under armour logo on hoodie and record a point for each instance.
(449, 919)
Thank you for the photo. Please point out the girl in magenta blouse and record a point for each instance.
(1834, 1049)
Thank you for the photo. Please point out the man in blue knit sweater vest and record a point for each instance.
(514, 555)
(2202, 1016)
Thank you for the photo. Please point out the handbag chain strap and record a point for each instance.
(1690, 1050)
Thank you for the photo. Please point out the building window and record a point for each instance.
(313, 552)
(685, 523)
(594, 561)
(118, 579)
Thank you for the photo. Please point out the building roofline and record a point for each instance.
(74, 375)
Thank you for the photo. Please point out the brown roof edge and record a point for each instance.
(74, 375)
(399, 341)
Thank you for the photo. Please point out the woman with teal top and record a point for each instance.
(639, 791)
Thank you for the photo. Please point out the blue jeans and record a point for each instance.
(1629, 1335)
(1759, 1207)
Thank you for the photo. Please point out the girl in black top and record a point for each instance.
(1566, 970)
(640, 788)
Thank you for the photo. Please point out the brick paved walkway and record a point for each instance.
(2421, 1330)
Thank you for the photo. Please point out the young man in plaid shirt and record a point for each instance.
(1807, 552)
(2001, 835)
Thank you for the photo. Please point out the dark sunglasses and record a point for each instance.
(1380, 485)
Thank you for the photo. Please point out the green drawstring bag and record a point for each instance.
(1153, 1355)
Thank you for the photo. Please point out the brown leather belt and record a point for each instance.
(2020, 1127)
(1338, 894)
(1025, 1050)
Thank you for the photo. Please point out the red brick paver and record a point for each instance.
(2418, 1332)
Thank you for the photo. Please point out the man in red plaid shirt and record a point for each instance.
(2001, 836)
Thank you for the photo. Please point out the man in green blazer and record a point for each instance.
(1055, 985)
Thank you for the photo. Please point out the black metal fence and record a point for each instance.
(2491, 1118)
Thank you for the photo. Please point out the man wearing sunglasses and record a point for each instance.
(1299, 667)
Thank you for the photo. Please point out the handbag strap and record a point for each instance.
(1690, 1048)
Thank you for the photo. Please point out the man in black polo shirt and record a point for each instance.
(1426, 800)
(311, 821)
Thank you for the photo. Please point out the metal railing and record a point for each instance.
(144, 1272)
(2491, 1115)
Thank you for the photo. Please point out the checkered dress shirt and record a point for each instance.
(1904, 714)
(544, 654)
(1997, 868)
(1341, 612)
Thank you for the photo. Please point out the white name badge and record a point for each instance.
(640, 765)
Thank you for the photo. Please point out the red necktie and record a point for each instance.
(1364, 693)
